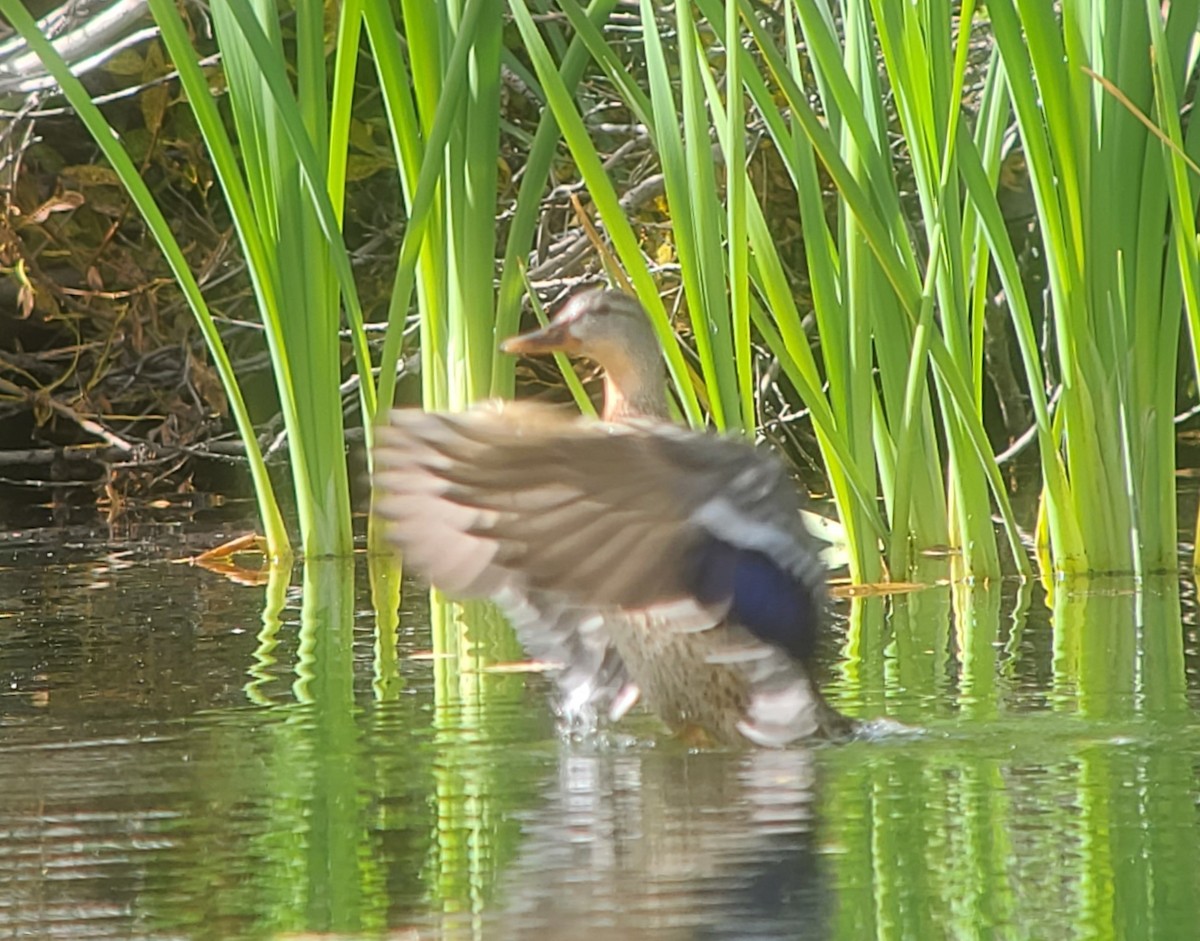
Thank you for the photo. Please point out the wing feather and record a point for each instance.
(572, 527)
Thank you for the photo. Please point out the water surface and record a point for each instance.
(184, 756)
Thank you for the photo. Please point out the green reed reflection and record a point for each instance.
(919, 660)
(316, 869)
(337, 847)
(322, 868)
(385, 573)
(275, 597)
(477, 708)
(861, 687)
(468, 639)
(1118, 647)
(1012, 821)
(976, 636)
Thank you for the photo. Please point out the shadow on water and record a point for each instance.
(182, 756)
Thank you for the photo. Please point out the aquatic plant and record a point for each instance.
(912, 269)
(901, 299)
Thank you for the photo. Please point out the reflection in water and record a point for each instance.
(176, 764)
(670, 845)
(77, 840)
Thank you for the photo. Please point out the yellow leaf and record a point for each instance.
(129, 62)
(91, 175)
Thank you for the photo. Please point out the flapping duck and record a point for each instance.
(645, 561)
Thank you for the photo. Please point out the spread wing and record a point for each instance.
(567, 523)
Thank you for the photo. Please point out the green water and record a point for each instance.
(182, 756)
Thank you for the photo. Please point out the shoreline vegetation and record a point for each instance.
(961, 253)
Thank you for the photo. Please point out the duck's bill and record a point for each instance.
(555, 338)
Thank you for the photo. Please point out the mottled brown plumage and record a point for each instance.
(643, 559)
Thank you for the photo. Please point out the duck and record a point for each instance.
(641, 560)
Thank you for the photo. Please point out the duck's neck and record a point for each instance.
(634, 388)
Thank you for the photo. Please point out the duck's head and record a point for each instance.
(612, 330)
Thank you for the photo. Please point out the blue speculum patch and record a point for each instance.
(766, 599)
